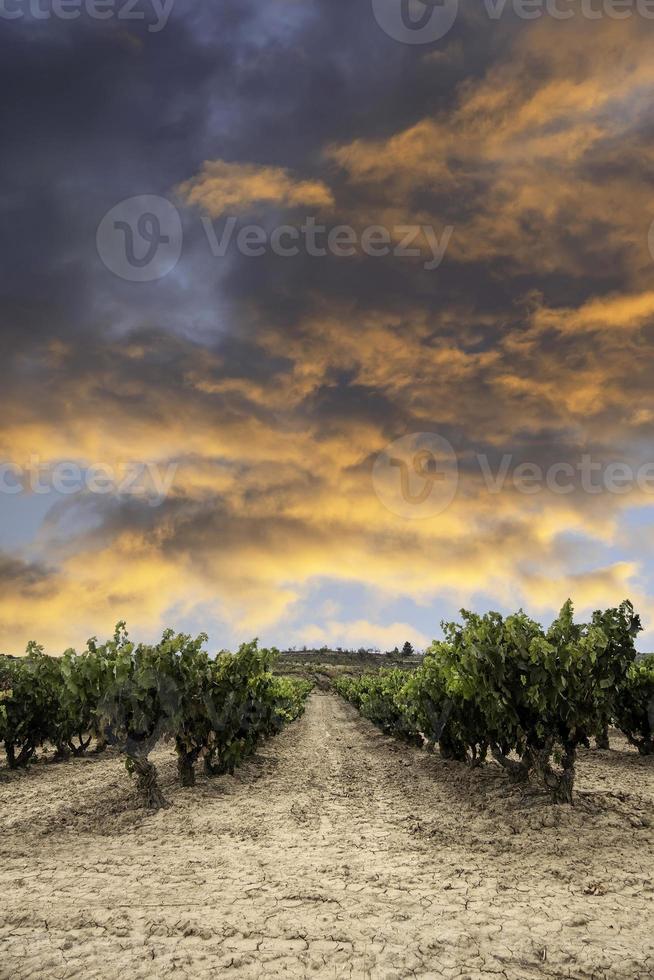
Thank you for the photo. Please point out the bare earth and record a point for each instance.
(336, 852)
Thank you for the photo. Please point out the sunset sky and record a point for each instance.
(267, 386)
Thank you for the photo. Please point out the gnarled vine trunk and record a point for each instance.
(452, 748)
(21, 760)
(186, 766)
(83, 744)
(147, 783)
(477, 755)
(602, 738)
(645, 746)
(516, 770)
(559, 783)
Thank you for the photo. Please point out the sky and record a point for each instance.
(318, 327)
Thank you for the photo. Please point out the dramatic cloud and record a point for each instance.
(540, 163)
(258, 392)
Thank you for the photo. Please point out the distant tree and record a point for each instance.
(407, 650)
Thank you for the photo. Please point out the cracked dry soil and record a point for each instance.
(335, 852)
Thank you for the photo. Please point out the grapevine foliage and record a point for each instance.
(133, 695)
(528, 696)
(635, 705)
(380, 698)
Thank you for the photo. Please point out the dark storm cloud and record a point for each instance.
(101, 111)
(273, 383)
(22, 576)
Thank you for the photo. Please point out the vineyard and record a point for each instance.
(528, 696)
(367, 839)
(134, 695)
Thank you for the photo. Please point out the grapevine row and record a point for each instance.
(132, 695)
(528, 696)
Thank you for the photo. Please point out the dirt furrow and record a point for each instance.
(335, 852)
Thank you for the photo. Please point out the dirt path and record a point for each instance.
(336, 852)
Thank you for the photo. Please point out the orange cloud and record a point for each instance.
(221, 187)
(540, 163)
